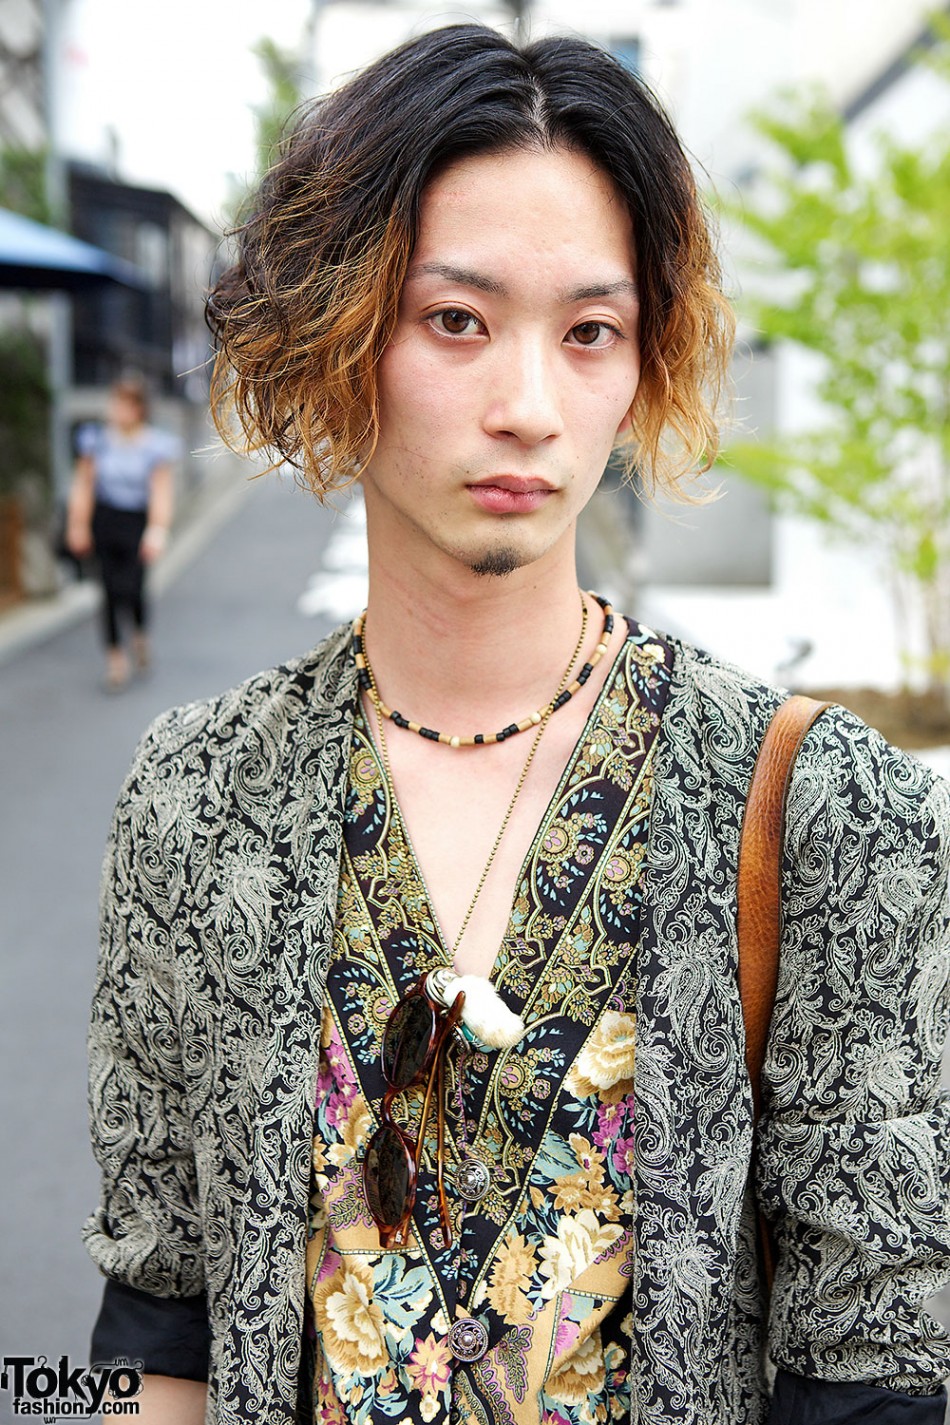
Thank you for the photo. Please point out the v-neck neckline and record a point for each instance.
(395, 811)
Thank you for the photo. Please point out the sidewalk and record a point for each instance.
(65, 749)
(221, 493)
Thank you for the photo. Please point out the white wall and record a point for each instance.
(911, 109)
(354, 33)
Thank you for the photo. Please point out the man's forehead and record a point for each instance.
(550, 218)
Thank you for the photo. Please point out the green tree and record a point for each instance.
(858, 272)
(23, 182)
(283, 73)
(24, 410)
(25, 478)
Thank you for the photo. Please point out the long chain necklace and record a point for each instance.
(565, 692)
(542, 724)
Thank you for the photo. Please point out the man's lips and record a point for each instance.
(510, 494)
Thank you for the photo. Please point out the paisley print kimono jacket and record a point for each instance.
(218, 904)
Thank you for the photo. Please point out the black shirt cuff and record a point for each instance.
(799, 1400)
(169, 1335)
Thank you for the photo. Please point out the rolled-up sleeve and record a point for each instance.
(146, 1234)
(854, 1143)
(169, 1335)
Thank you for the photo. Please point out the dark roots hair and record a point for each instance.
(302, 317)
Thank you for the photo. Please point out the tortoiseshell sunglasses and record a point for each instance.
(413, 1042)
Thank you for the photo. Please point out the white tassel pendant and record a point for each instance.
(485, 1015)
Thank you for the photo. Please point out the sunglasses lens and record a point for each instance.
(406, 1040)
(387, 1176)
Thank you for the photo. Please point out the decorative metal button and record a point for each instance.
(472, 1179)
(468, 1339)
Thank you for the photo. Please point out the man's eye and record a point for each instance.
(593, 333)
(455, 322)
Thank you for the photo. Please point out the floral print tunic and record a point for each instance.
(543, 1259)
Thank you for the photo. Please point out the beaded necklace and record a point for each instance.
(367, 683)
(541, 725)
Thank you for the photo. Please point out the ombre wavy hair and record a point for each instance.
(302, 317)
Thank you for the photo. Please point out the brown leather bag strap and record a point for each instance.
(760, 891)
(760, 875)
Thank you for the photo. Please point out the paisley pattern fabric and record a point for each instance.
(543, 1260)
(218, 908)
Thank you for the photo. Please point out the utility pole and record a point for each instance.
(60, 362)
(520, 10)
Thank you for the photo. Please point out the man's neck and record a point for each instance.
(471, 653)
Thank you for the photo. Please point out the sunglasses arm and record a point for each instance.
(437, 1080)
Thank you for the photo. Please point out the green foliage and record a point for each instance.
(24, 410)
(857, 271)
(24, 407)
(23, 182)
(282, 72)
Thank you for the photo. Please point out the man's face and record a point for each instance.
(513, 366)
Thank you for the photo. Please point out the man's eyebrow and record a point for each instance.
(623, 287)
(464, 275)
(467, 277)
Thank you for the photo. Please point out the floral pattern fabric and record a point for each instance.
(543, 1260)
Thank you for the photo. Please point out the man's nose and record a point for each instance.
(524, 395)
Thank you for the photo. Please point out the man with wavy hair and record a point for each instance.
(335, 1189)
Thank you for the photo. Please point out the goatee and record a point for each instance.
(498, 562)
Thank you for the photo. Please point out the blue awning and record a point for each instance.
(32, 256)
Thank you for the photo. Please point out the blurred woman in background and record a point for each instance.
(120, 509)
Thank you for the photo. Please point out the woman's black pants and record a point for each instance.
(116, 535)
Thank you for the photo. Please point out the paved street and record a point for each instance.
(64, 750)
(63, 753)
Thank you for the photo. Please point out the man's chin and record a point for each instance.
(497, 562)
